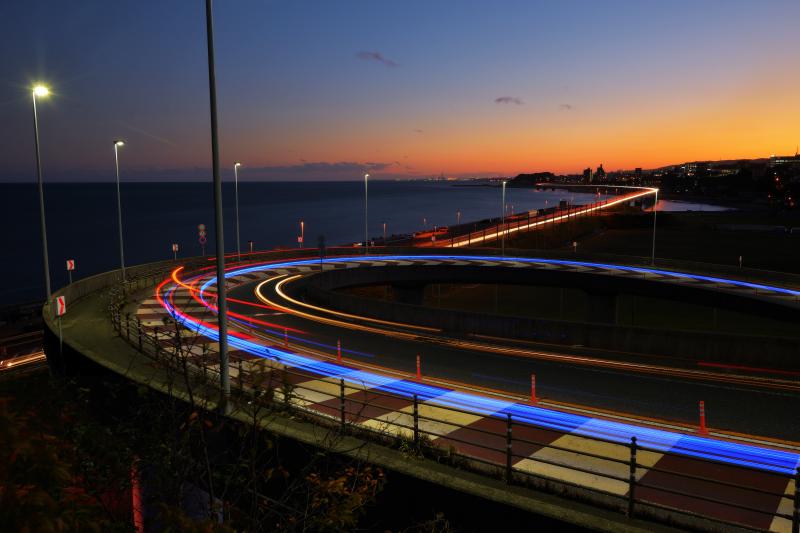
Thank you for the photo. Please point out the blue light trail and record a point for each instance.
(731, 453)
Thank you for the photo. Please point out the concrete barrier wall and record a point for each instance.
(698, 345)
(599, 287)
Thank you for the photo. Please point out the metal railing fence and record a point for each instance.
(495, 452)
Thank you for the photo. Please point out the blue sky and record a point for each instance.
(325, 90)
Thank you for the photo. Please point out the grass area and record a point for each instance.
(693, 236)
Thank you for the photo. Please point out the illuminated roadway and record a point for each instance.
(522, 222)
(737, 403)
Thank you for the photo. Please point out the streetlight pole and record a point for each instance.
(458, 218)
(41, 91)
(236, 166)
(503, 223)
(302, 233)
(222, 303)
(384, 233)
(117, 144)
(366, 215)
(655, 213)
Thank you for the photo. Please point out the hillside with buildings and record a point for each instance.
(774, 180)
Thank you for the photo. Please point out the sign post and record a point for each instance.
(251, 246)
(175, 251)
(61, 309)
(70, 268)
(201, 232)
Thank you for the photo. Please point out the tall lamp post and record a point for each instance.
(117, 144)
(40, 91)
(236, 166)
(366, 215)
(655, 212)
(503, 223)
(302, 233)
(222, 301)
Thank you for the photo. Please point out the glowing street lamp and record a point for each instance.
(236, 166)
(302, 233)
(655, 213)
(503, 223)
(41, 91)
(366, 215)
(117, 144)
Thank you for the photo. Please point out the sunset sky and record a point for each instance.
(326, 89)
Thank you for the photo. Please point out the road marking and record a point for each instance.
(601, 467)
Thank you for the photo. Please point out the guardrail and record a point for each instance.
(519, 223)
(494, 229)
(503, 443)
(91, 284)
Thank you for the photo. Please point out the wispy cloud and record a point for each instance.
(376, 56)
(417, 130)
(566, 107)
(147, 133)
(508, 100)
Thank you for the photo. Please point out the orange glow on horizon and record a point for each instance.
(752, 120)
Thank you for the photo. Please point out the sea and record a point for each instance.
(81, 220)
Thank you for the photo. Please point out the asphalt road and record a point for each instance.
(749, 409)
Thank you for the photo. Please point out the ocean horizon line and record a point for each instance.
(209, 179)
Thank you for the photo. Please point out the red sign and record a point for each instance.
(300, 240)
(70, 264)
(174, 247)
(61, 305)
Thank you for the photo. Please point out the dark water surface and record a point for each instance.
(82, 220)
